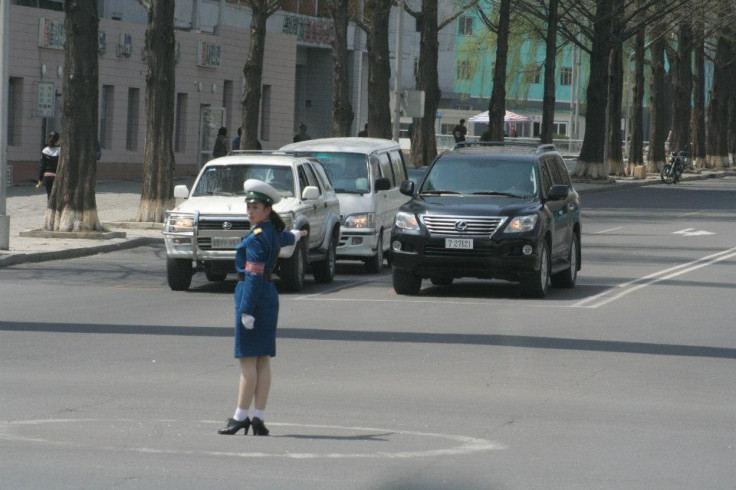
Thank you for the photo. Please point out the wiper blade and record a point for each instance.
(496, 193)
(440, 192)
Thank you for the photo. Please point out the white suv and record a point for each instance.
(202, 232)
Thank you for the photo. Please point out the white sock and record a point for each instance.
(258, 413)
(240, 414)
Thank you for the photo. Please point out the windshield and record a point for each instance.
(348, 172)
(228, 179)
(451, 176)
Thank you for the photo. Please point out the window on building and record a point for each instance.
(15, 110)
(534, 74)
(180, 125)
(560, 128)
(227, 103)
(566, 76)
(106, 116)
(266, 113)
(464, 70)
(465, 26)
(131, 127)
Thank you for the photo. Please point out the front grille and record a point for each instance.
(463, 226)
(218, 224)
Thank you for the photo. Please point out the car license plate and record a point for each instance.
(464, 243)
(225, 242)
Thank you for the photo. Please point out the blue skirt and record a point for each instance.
(261, 339)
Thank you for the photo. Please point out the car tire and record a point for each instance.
(324, 270)
(568, 277)
(406, 282)
(214, 275)
(291, 270)
(536, 286)
(375, 263)
(179, 274)
(441, 281)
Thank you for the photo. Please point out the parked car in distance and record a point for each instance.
(202, 232)
(366, 173)
(495, 210)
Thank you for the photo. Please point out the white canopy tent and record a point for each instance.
(509, 117)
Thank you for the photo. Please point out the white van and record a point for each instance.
(366, 174)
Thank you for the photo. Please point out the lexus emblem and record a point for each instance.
(461, 225)
(227, 225)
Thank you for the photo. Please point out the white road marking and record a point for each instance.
(688, 214)
(465, 445)
(692, 232)
(618, 292)
(606, 231)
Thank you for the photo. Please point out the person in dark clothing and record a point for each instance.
(49, 162)
(221, 145)
(459, 131)
(302, 135)
(236, 140)
(486, 136)
(364, 133)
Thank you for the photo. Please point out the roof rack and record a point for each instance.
(258, 152)
(507, 146)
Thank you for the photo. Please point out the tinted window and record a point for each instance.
(546, 177)
(303, 180)
(476, 176)
(312, 178)
(386, 170)
(322, 176)
(397, 163)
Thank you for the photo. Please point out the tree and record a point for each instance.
(550, 59)
(375, 24)
(71, 205)
(718, 124)
(698, 113)
(342, 110)
(497, 104)
(636, 145)
(657, 102)
(157, 193)
(261, 10)
(681, 63)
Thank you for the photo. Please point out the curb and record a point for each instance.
(624, 184)
(78, 252)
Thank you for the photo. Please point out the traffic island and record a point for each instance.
(82, 235)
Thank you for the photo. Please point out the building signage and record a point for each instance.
(309, 29)
(46, 99)
(208, 54)
(51, 33)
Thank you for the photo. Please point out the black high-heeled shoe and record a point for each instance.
(233, 426)
(259, 428)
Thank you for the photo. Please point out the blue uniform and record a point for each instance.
(255, 256)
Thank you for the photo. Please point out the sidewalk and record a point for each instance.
(117, 206)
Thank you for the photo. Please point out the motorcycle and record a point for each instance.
(672, 171)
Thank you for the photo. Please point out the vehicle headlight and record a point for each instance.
(364, 220)
(521, 224)
(406, 221)
(180, 223)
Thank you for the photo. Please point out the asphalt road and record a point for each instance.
(110, 380)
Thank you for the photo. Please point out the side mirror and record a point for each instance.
(407, 188)
(382, 184)
(310, 193)
(558, 192)
(181, 192)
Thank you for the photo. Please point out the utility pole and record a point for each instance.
(4, 53)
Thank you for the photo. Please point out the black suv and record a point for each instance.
(489, 210)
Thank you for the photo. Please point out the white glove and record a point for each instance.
(247, 320)
(297, 234)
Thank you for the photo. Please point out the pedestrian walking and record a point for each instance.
(257, 305)
(364, 132)
(302, 135)
(236, 140)
(221, 145)
(459, 131)
(49, 162)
